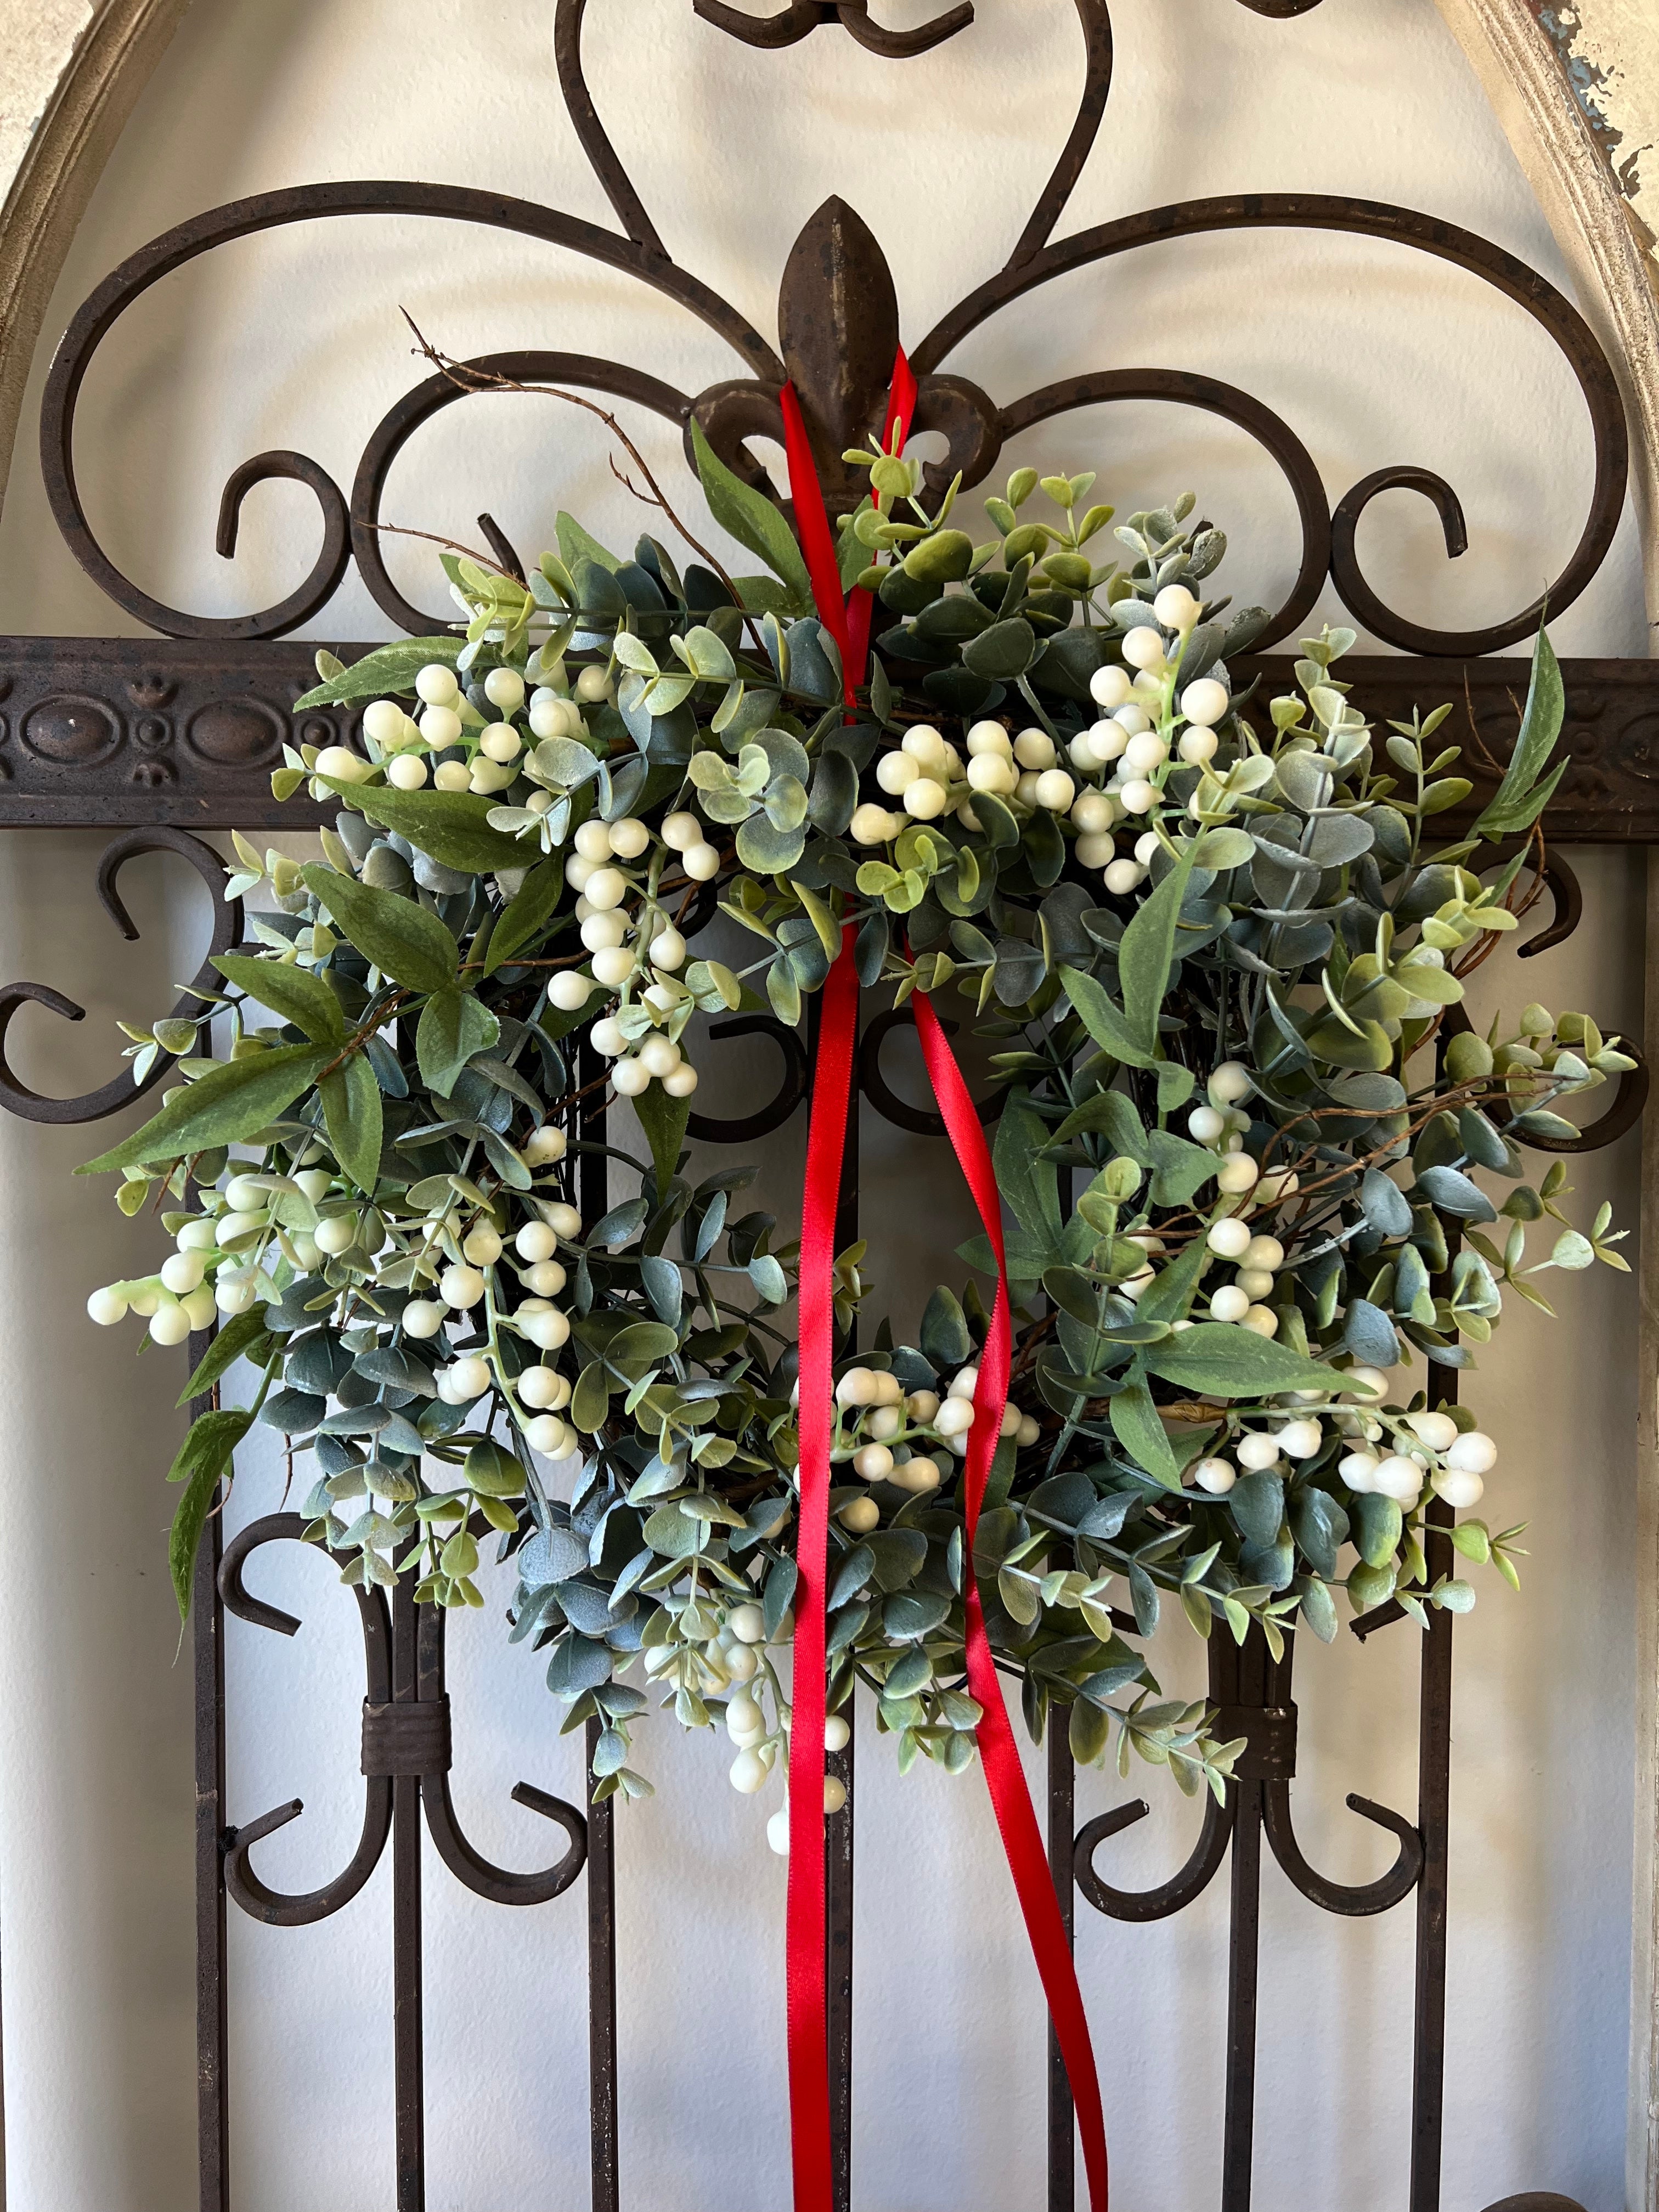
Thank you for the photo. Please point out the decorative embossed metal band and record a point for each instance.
(120, 732)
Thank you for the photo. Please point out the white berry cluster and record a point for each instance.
(1116, 767)
(616, 867)
(1145, 719)
(879, 1426)
(451, 1253)
(929, 776)
(454, 744)
(704, 1663)
(634, 949)
(1392, 1454)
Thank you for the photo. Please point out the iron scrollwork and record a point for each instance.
(112, 1098)
(838, 326)
(1267, 1766)
(405, 1735)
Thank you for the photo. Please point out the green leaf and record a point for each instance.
(1223, 1360)
(1146, 952)
(1111, 1114)
(391, 668)
(1029, 1183)
(294, 992)
(818, 915)
(207, 1445)
(400, 937)
(1101, 1015)
(575, 544)
(1138, 1429)
(1171, 1292)
(453, 1026)
(231, 1103)
(1175, 1085)
(527, 913)
(591, 1399)
(662, 1119)
(1541, 725)
(351, 1107)
(1003, 651)
(1377, 1523)
(945, 1339)
(491, 1471)
(237, 1339)
(750, 517)
(1180, 1169)
(450, 826)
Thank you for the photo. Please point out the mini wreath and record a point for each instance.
(1219, 958)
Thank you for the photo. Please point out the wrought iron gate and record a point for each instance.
(165, 736)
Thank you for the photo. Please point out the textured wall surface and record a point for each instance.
(295, 340)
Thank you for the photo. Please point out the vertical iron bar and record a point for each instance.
(601, 1988)
(593, 1195)
(408, 2036)
(212, 2026)
(1062, 1833)
(1434, 1823)
(1063, 1817)
(1244, 1954)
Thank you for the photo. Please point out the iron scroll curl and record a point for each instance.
(112, 1098)
(499, 1884)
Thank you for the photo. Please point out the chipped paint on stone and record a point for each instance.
(1592, 84)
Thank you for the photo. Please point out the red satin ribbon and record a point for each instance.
(847, 619)
(849, 622)
(1022, 1838)
(809, 2050)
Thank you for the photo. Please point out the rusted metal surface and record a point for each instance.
(107, 732)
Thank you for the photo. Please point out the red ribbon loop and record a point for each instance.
(849, 622)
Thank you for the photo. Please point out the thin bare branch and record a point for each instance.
(468, 379)
(450, 544)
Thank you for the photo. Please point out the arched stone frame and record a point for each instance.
(70, 75)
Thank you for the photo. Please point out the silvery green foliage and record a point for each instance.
(1265, 1182)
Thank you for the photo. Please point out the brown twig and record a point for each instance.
(452, 545)
(468, 379)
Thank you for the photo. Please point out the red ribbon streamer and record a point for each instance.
(809, 2050)
(1005, 1776)
(848, 621)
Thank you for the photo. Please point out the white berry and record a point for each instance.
(1473, 1454)
(1205, 701)
(1438, 1430)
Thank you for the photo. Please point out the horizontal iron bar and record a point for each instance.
(102, 732)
